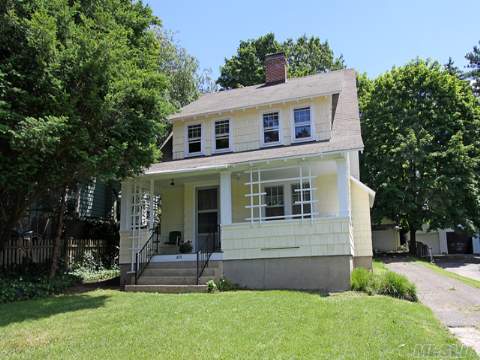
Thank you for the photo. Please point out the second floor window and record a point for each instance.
(271, 128)
(194, 137)
(222, 135)
(302, 123)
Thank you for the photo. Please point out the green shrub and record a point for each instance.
(90, 268)
(386, 283)
(361, 278)
(226, 285)
(212, 287)
(398, 286)
(185, 247)
(14, 288)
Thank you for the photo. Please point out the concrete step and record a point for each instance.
(172, 280)
(159, 271)
(167, 289)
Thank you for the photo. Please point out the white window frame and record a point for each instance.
(202, 140)
(230, 136)
(256, 194)
(312, 123)
(262, 129)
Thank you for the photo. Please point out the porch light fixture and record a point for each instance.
(172, 183)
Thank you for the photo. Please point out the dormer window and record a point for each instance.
(222, 135)
(302, 124)
(194, 139)
(271, 128)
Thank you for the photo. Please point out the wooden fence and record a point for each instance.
(39, 251)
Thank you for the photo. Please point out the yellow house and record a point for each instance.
(260, 185)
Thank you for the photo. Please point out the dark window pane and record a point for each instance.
(222, 127)
(302, 132)
(207, 199)
(194, 147)
(207, 222)
(270, 136)
(301, 115)
(221, 143)
(274, 211)
(194, 131)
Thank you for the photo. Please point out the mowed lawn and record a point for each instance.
(108, 324)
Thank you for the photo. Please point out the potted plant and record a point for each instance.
(185, 247)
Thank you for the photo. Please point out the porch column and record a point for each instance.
(343, 186)
(151, 204)
(225, 198)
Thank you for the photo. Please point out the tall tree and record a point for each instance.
(421, 127)
(452, 68)
(473, 74)
(82, 94)
(305, 56)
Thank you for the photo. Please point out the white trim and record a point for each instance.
(166, 140)
(202, 140)
(312, 123)
(280, 131)
(225, 198)
(371, 193)
(230, 136)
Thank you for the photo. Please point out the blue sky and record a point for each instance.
(372, 35)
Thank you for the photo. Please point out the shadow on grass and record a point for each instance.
(43, 308)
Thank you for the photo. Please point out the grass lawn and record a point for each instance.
(108, 324)
(438, 269)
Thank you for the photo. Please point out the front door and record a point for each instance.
(207, 218)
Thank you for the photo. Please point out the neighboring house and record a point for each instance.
(386, 238)
(263, 179)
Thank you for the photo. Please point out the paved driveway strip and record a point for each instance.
(456, 304)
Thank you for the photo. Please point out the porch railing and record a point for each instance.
(145, 254)
(205, 251)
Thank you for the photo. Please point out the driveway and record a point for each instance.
(468, 266)
(456, 304)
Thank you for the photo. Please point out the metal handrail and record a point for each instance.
(145, 254)
(203, 255)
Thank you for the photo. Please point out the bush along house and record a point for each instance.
(260, 185)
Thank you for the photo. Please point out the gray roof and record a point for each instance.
(346, 133)
(258, 95)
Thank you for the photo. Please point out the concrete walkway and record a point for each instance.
(456, 304)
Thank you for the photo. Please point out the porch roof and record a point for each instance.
(237, 158)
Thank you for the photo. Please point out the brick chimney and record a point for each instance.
(275, 68)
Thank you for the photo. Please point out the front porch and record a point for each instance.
(271, 209)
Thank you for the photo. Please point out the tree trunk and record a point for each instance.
(412, 245)
(57, 242)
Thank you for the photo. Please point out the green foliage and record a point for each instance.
(398, 286)
(15, 288)
(89, 268)
(85, 90)
(212, 286)
(185, 247)
(383, 283)
(421, 128)
(305, 56)
(473, 74)
(226, 285)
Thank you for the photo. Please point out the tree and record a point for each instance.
(83, 94)
(453, 69)
(421, 128)
(305, 56)
(473, 58)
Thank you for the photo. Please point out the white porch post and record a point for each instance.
(343, 186)
(151, 204)
(225, 198)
